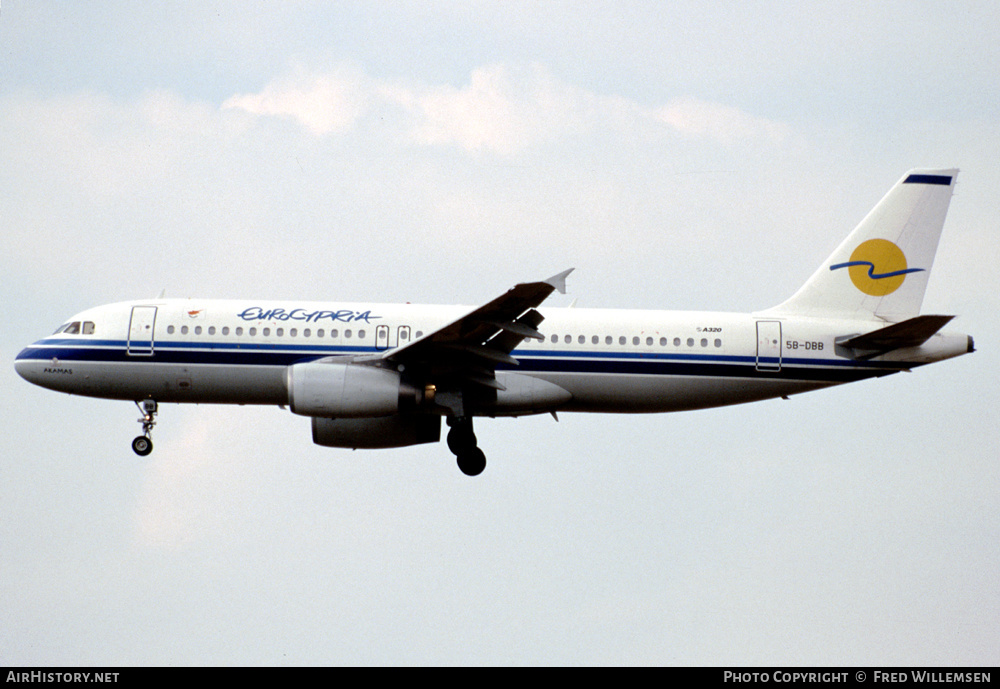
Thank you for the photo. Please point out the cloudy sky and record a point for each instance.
(683, 155)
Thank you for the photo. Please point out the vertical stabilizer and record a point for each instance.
(881, 269)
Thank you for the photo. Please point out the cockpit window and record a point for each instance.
(76, 328)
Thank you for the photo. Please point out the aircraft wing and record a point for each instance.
(467, 351)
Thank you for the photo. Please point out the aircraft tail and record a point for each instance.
(881, 269)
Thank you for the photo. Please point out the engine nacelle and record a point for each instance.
(399, 430)
(344, 390)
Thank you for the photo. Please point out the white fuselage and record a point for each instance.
(237, 352)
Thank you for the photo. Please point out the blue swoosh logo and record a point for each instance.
(871, 270)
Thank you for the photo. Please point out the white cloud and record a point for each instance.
(694, 117)
(500, 110)
(328, 103)
(504, 110)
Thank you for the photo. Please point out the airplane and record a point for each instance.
(385, 375)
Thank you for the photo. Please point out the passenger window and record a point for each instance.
(677, 342)
(595, 339)
(253, 331)
(582, 339)
(663, 342)
(306, 333)
(608, 340)
(361, 334)
(239, 331)
(635, 340)
(334, 333)
(718, 343)
(568, 339)
(225, 330)
(281, 332)
(649, 341)
(555, 339)
(319, 333)
(347, 334)
(621, 340)
(184, 330)
(704, 342)
(293, 332)
(266, 332)
(170, 330)
(197, 330)
(211, 330)
(690, 342)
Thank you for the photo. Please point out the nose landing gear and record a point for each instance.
(143, 444)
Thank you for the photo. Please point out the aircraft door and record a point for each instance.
(140, 331)
(768, 345)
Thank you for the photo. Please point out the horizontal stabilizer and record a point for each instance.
(910, 333)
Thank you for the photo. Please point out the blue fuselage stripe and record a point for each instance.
(534, 361)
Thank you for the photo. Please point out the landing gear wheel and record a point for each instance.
(462, 443)
(142, 446)
(472, 462)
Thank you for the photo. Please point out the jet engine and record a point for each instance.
(347, 390)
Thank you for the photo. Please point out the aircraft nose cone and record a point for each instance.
(24, 366)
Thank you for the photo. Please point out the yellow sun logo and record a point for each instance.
(877, 267)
